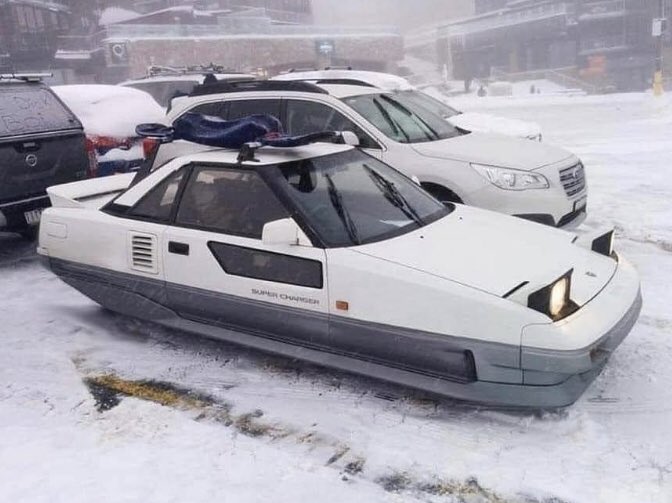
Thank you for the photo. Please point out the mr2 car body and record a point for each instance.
(326, 254)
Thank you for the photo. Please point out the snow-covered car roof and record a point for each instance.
(110, 110)
(384, 81)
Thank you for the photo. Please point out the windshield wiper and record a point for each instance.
(393, 195)
(396, 128)
(341, 211)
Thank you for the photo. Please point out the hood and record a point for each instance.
(495, 253)
(494, 150)
(486, 123)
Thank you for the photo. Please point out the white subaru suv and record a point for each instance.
(527, 179)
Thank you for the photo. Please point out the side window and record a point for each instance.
(304, 117)
(215, 109)
(229, 201)
(157, 204)
(244, 108)
(257, 264)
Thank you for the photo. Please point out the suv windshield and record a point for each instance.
(401, 118)
(351, 198)
(429, 103)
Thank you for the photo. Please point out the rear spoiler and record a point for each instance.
(73, 195)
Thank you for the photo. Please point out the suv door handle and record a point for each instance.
(178, 248)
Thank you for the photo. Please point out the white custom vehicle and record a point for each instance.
(527, 179)
(326, 254)
(469, 121)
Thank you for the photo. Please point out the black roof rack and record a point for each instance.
(158, 70)
(256, 85)
(27, 77)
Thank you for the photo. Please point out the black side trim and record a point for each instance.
(178, 248)
(268, 266)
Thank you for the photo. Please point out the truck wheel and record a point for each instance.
(446, 196)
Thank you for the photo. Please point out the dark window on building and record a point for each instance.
(257, 264)
(230, 201)
(304, 117)
(158, 203)
(244, 108)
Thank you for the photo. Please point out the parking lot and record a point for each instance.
(217, 422)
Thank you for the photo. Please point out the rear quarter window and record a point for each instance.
(28, 109)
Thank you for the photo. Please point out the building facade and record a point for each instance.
(609, 42)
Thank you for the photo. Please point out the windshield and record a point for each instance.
(429, 103)
(30, 109)
(401, 118)
(351, 198)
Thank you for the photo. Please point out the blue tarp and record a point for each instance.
(217, 132)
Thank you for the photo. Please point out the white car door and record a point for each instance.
(218, 270)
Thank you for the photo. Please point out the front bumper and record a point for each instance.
(549, 206)
(583, 342)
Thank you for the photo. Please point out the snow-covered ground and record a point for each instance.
(239, 426)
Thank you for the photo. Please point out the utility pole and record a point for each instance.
(659, 27)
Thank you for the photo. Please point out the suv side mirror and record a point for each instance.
(281, 232)
(350, 138)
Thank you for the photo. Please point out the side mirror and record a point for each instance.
(281, 232)
(416, 180)
(350, 138)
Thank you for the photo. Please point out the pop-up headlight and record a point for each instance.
(604, 245)
(553, 300)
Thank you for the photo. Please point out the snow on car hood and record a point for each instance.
(486, 123)
(495, 253)
(495, 150)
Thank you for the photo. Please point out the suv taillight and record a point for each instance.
(149, 146)
(92, 172)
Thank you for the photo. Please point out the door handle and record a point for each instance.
(178, 248)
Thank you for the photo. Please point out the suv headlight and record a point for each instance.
(553, 300)
(511, 179)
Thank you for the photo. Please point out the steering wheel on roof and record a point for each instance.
(155, 131)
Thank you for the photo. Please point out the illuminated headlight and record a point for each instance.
(511, 179)
(553, 300)
(559, 297)
(604, 245)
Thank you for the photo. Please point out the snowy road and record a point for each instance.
(212, 422)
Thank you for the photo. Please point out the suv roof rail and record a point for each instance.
(297, 70)
(346, 82)
(257, 85)
(27, 77)
(157, 70)
(338, 68)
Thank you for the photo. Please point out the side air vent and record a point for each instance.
(143, 253)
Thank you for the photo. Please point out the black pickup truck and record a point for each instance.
(42, 144)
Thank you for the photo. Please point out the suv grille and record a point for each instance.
(573, 179)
